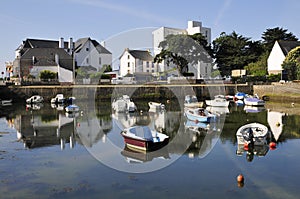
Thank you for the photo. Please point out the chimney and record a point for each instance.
(61, 43)
(71, 45)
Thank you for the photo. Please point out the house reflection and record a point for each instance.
(92, 130)
(39, 130)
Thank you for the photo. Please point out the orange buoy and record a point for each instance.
(272, 145)
(246, 146)
(240, 178)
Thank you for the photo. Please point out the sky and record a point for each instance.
(113, 21)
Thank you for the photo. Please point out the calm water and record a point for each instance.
(45, 153)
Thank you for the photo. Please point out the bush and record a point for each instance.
(274, 78)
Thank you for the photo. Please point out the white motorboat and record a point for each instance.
(59, 98)
(6, 102)
(72, 108)
(123, 104)
(199, 115)
(156, 106)
(191, 101)
(219, 101)
(35, 99)
(253, 132)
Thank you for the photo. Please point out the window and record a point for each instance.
(87, 60)
(152, 65)
(99, 60)
(128, 56)
(128, 64)
(147, 64)
(87, 49)
(152, 71)
(147, 71)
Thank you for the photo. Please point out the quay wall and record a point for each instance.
(278, 92)
(167, 91)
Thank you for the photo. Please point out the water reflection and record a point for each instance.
(40, 130)
(40, 126)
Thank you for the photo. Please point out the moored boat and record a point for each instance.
(6, 102)
(72, 108)
(35, 99)
(199, 115)
(143, 138)
(156, 106)
(123, 104)
(59, 98)
(239, 96)
(255, 133)
(191, 101)
(253, 101)
(219, 101)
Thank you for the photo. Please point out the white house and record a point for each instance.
(137, 61)
(278, 54)
(202, 69)
(89, 52)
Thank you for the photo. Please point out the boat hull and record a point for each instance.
(254, 102)
(72, 109)
(143, 145)
(197, 118)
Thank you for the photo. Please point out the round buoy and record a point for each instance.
(240, 178)
(277, 124)
(246, 146)
(272, 145)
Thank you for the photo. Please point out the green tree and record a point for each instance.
(234, 52)
(47, 74)
(291, 64)
(81, 73)
(272, 34)
(182, 50)
(258, 68)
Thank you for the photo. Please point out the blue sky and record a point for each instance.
(107, 19)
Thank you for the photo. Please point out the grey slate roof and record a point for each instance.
(46, 57)
(40, 43)
(287, 46)
(80, 43)
(141, 54)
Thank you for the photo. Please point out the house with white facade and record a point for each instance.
(203, 68)
(137, 61)
(35, 55)
(278, 54)
(89, 53)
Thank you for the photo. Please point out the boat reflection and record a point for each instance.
(34, 106)
(133, 156)
(253, 109)
(256, 150)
